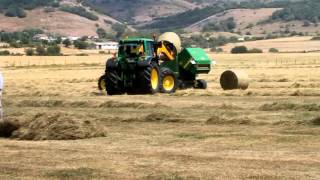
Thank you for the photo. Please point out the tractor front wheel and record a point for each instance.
(169, 82)
(102, 83)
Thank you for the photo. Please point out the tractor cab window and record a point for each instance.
(131, 49)
(149, 48)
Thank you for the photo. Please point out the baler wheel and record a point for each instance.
(200, 84)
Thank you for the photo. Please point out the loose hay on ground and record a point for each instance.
(161, 117)
(57, 127)
(217, 120)
(277, 106)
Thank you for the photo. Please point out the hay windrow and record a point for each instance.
(138, 105)
(218, 120)
(54, 127)
(163, 117)
(85, 104)
(314, 121)
(278, 106)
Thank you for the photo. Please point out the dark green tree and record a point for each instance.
(29, 52)
(53, 50)
(80, 44)
(239, 50)
(66, 43)
(41, 51)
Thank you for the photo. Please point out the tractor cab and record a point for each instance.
(136, 48)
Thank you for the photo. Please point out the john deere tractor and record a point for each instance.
(148, 66)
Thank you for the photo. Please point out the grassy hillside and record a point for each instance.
(243, 17)
(195, 15)
(308, 10)
(15, 8)
(139, 10)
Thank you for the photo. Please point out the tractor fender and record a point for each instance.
(111, 64)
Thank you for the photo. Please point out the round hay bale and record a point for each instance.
(172, 38)
(234, 79)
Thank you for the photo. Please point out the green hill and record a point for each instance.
(308, 10)
(15, 8)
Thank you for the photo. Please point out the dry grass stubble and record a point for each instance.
(261, 133)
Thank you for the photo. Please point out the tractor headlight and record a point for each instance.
(193, 62)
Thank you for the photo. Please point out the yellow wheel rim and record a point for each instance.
(168, 83)
(154, 79)
(103, 84)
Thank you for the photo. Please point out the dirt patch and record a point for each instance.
(217, 120)
(277, 106)
(52, 127)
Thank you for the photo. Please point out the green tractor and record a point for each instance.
(146, 66)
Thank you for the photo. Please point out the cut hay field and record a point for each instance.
(269, 131)
(285, 45)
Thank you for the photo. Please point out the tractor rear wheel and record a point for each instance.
(149, 79)
(169, 82)
(113, 83)
(102, 83)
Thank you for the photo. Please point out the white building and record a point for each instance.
(74, 38)
(107, 45)
(43, 37)
(40, 37)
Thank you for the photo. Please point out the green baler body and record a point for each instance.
(194, 60)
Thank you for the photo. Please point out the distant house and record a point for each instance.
(74, 38)
(43, 37)
(241, 39)
(106, 45)
(39, 37)
(93, 37)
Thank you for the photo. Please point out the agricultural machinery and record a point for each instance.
(146, 66)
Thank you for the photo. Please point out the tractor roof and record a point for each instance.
(136, 39)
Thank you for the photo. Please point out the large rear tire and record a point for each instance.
(169, 81)
(113, 83)
(149, 79)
